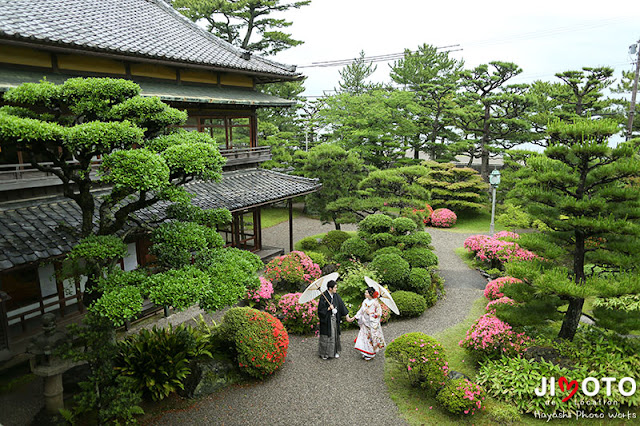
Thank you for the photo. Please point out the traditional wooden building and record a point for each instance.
(148, 42)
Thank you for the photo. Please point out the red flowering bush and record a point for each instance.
(491, 337)
(461, 396)
(260, 340)
(297, 318)
(493, 289)
(443, 218)
(292, 270)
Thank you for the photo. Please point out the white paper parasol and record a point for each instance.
(316, 288)
(385, 296)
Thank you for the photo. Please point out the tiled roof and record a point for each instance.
(144, 28)
(40, 229)
(167, 91)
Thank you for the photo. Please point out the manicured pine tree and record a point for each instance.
(458, 189)
(583, 190)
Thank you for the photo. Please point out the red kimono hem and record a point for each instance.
(368, 353)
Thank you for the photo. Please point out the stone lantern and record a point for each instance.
(45, 363)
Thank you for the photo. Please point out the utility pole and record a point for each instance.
(632, 107)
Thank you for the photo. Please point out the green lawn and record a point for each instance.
(479, 223)
(272, 216)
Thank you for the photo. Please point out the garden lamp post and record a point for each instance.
(494, 180)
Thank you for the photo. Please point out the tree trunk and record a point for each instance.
(484, 153)
(571, 319)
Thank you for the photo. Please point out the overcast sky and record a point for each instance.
(543, 37)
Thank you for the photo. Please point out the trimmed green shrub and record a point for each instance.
(417, 239)
(293, 271)
(356, 248)
(308, 244)
(375, 224)
(387, 250)
(420, 257)
(392, 269)
(158, 360)
(318, 258)
(334, 239)
(261, 341)
(403, 225)
(409, 304)
(420, 282)
(383, 239)
(461, 396)
(424, 360)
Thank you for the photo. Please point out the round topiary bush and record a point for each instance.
(403, 225)
(420, 282)
(491, 337)
(308, 244)
(297, 318)
(409, 304)
(423, 358)
(260, 340)
(387, 250)
(334, 239)
(318, 258)
(417, 239)
(355, 248)
(420, 257)
(392, 269)
(375, 224)
(383, 239)
(443, 218)
(461, 396)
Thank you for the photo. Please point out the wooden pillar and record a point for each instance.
(290, 224)
(4, 322)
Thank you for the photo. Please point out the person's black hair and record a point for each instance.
(371, 290)
(331, 284)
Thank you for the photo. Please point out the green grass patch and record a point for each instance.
(479, 223)
(271, 216)
(418, 409)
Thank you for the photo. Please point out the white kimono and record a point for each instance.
(370, 339)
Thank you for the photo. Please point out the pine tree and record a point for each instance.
(585, 192)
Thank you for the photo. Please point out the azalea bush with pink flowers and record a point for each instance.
(258, 296)
(443, 218)
(491, 337)
(461, 397)
(498, 249)
(423, 358)
(493, 289)
(491, 306)
(297, 318)
(293, 271)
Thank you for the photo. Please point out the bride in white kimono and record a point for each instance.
(370, 339)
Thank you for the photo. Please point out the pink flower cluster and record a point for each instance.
(264, 292)
(494, 248)
(296, 318)
(443, 218)
(506, 234)
(473, 393)
(293, 267)
(503, 300)
(492, 337)
(493, 290)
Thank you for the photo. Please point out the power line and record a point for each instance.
(376, 58)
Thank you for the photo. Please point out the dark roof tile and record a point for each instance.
(150, 28)
(41, 229)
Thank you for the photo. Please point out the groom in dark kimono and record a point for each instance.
(331, 309)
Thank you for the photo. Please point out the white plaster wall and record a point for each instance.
(131, 260)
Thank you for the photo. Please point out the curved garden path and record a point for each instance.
(343, 391)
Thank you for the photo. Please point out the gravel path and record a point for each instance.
(301, 391)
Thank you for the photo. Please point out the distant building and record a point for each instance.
(148, 42)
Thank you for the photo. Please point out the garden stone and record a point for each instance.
(455, 375)
(208, 376)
